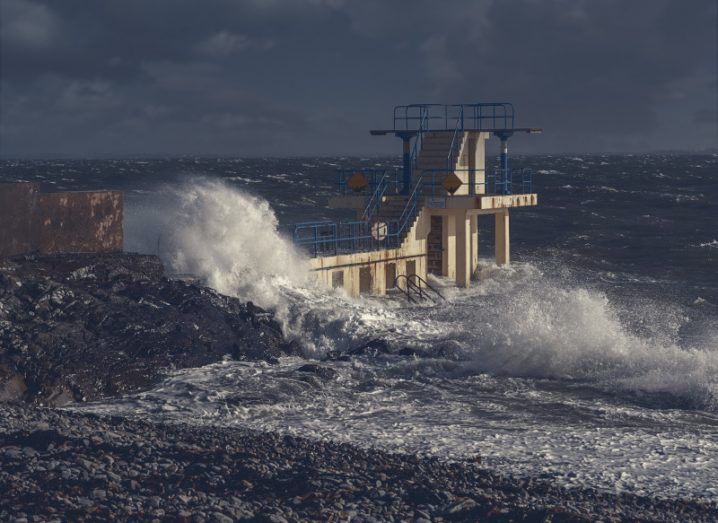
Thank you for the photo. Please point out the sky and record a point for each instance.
(86, 78)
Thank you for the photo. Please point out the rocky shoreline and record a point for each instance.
(65, 466)
(75, 328)
(79, 327)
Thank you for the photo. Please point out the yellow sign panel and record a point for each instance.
(357, 181)
(451, 183)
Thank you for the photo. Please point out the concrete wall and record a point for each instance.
(413, 250)
(472, 155)
(17, 202)
(31, 221)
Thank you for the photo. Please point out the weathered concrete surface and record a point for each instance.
(58, 222)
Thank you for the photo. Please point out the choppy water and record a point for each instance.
(592, 360)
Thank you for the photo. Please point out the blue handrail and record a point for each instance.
(419, 140)
(330, 238)
(372, 175)
(375, 199)
(519, 181)
(443, 117)
(459, 127)
(327, 238)
(409, 210)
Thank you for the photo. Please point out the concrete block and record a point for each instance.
(17, 206)
(80, 222)
(31, 221)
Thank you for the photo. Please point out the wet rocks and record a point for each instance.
(372, 348)
(85, 326)
(326, 373)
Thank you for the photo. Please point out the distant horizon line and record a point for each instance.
(175, 156)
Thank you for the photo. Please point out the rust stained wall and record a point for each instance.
(59, 222)
(79, 222)
(17, 202)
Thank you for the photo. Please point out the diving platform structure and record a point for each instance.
(423, 219)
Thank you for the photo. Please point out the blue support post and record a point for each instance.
(406, 142)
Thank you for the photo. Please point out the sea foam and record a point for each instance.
(518, 322)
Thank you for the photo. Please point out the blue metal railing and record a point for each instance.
(419, 139)
(326, 238)
(422, 118)
(373, 177)
(410, 210)
(375, 199)
(331, 239)
(446, 117)
(458, 130)
(519, 181)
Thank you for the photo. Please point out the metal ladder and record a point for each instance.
(414, 290)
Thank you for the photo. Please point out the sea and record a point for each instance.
(590, 361)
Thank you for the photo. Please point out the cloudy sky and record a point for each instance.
(306, 77)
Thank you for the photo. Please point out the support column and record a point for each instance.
(448, 236)
(351, 281)
(379, 278)
(401, 269)
(502, 241)
(406, 156)
(463, 248)
(471, 142)
(474, 244)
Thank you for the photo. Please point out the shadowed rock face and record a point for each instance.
(85, 326)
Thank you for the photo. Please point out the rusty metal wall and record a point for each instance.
(17, 204)
(59, 222)
(79, 222)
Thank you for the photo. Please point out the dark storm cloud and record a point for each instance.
(278, 77)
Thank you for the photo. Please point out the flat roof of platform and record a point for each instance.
(382, 132)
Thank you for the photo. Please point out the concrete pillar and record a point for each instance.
(401, 269)
(463, 248)
(502, 241)
(422, 268)
(351, 281)
(474, 244)
(448, 259)
(471, 140)
(406, 157)
(379, 278)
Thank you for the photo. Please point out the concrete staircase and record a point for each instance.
(391, 208)
(435, 148)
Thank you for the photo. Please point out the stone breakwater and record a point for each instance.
(86, 326)
(63, 466)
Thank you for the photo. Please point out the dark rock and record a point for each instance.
(334, 355)
(372, 348)
(322, 372)
(407, 351)
(85, 326)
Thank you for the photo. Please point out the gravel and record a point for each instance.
(59, 465)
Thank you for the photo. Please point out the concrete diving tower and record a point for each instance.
(425, 218)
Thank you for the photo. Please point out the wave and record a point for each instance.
(516, 322)
(224, 236)
(547, 328)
